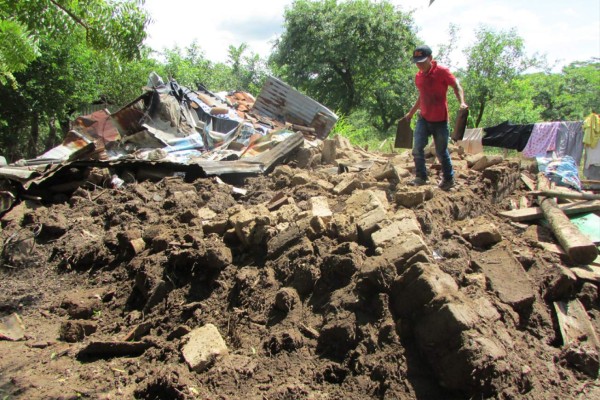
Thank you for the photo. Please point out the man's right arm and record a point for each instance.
(413, 110)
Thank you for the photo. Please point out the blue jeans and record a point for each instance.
(440, 133)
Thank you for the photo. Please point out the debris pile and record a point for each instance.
(326, 277)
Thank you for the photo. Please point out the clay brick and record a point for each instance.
(329, 151)
(363, 201)
(347, 185)
(411, 198)
(287, 213)
(202, 347)
(482, 234)
(369, 221)
(507, 278)
(301, 179)
(387, 234)
(399, 251)
(419, 285)
(320, 207)
(441, 325)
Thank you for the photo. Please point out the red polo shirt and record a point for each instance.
(433, 87)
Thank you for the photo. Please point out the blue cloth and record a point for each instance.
(563, 171)
(440, 133)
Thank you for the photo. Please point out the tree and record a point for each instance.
(567, 96)
(581, 89)
(390, 96)
(113, 26)
(248, 72)
(337, 52)
(49, 89)
(493, 61)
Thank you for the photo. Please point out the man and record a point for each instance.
(432, 81)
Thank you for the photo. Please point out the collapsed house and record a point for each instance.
(172, 129)
(328, 277)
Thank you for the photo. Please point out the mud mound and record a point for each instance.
(314, 283)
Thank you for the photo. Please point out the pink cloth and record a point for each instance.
(542, 139)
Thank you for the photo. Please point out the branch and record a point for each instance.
(70, 14)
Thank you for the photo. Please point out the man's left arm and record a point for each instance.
(459, 93)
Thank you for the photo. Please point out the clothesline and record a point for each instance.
(577, 139)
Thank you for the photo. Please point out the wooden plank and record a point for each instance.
(587, 273)
(533, 213)
(523, 202)
(528, 182)
(575, 323)
(565, 195)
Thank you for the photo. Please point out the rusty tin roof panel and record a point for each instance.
(279, 101)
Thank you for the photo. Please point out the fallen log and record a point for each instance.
(565, 195)
(578, 247)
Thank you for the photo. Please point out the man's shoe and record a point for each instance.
(418, 181)
(446, 184)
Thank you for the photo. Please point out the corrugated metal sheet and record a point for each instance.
(279, 101)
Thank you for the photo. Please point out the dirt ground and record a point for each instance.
(308, 307)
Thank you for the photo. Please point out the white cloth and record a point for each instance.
(472, 141)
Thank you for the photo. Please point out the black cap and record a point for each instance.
(421, 53)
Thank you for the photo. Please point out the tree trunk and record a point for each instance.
(65, 126)
(351, 90)
(577, 246)
(51, 140)
(34, 135)
(480, 113)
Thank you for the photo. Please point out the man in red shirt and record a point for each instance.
(432, 81)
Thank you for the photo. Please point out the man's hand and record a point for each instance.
(463, 106)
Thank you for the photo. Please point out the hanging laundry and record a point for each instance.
(591, 140)
(569, 140)
(542, 139)
(471, 141)
(591, 129)
(507, 136)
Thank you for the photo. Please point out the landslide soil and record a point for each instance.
(71, 266)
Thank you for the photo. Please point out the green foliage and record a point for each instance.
(115, 26)
(132, 77)
(494, 61)
(48, 89)
(341, 53)
(190, 68)
(568, 96)
(17, 49)
(517, 106)
(357, 128)
(248, 72)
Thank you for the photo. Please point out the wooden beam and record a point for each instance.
(565, 195)
(533, 213)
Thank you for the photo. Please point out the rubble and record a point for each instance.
(309, 270)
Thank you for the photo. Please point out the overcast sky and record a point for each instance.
(563, 30)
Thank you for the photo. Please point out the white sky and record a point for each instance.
(563, 30)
